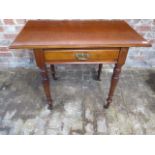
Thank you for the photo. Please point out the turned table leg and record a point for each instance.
(99, 72)
(116, 74)
(39, 56)
(114, 81)
(53, 72)
(46, 85)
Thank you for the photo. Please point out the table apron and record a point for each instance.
(81, 56)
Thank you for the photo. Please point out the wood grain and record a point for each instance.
(77, 34)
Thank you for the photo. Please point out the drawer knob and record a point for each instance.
(82, 56)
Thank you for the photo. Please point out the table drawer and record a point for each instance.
(100, 55)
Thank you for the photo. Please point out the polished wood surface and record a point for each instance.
(77, 34)
(79, 42)
(99, 55)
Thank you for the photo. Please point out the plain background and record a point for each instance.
(77, 9)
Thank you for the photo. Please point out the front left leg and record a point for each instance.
(46, 85)
(39, 56)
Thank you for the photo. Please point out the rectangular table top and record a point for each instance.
(77, 34)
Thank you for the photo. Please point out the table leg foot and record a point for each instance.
(50, 105)
(106, 106)
(98, 79)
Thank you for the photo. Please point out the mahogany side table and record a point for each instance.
(78, 42)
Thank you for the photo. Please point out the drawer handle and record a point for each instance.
(82, 56)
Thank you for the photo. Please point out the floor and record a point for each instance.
(78, 103)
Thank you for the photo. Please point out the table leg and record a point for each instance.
(39, 56)
(116, 73)
(53, 72)
(46, 85)
(114, 81)
(99, 72)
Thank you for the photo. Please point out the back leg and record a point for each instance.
(99, 72)
(53, 72)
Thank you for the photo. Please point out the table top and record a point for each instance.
(77, 34)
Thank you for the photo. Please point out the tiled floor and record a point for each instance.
(78, 103)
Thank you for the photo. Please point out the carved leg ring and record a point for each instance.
(53, 72)
(99, 72)
(114, 81)
(46, 85)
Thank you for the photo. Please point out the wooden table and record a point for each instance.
(78, 42)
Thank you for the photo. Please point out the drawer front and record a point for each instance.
(107, 55)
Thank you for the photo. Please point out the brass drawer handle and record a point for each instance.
(82, 56)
